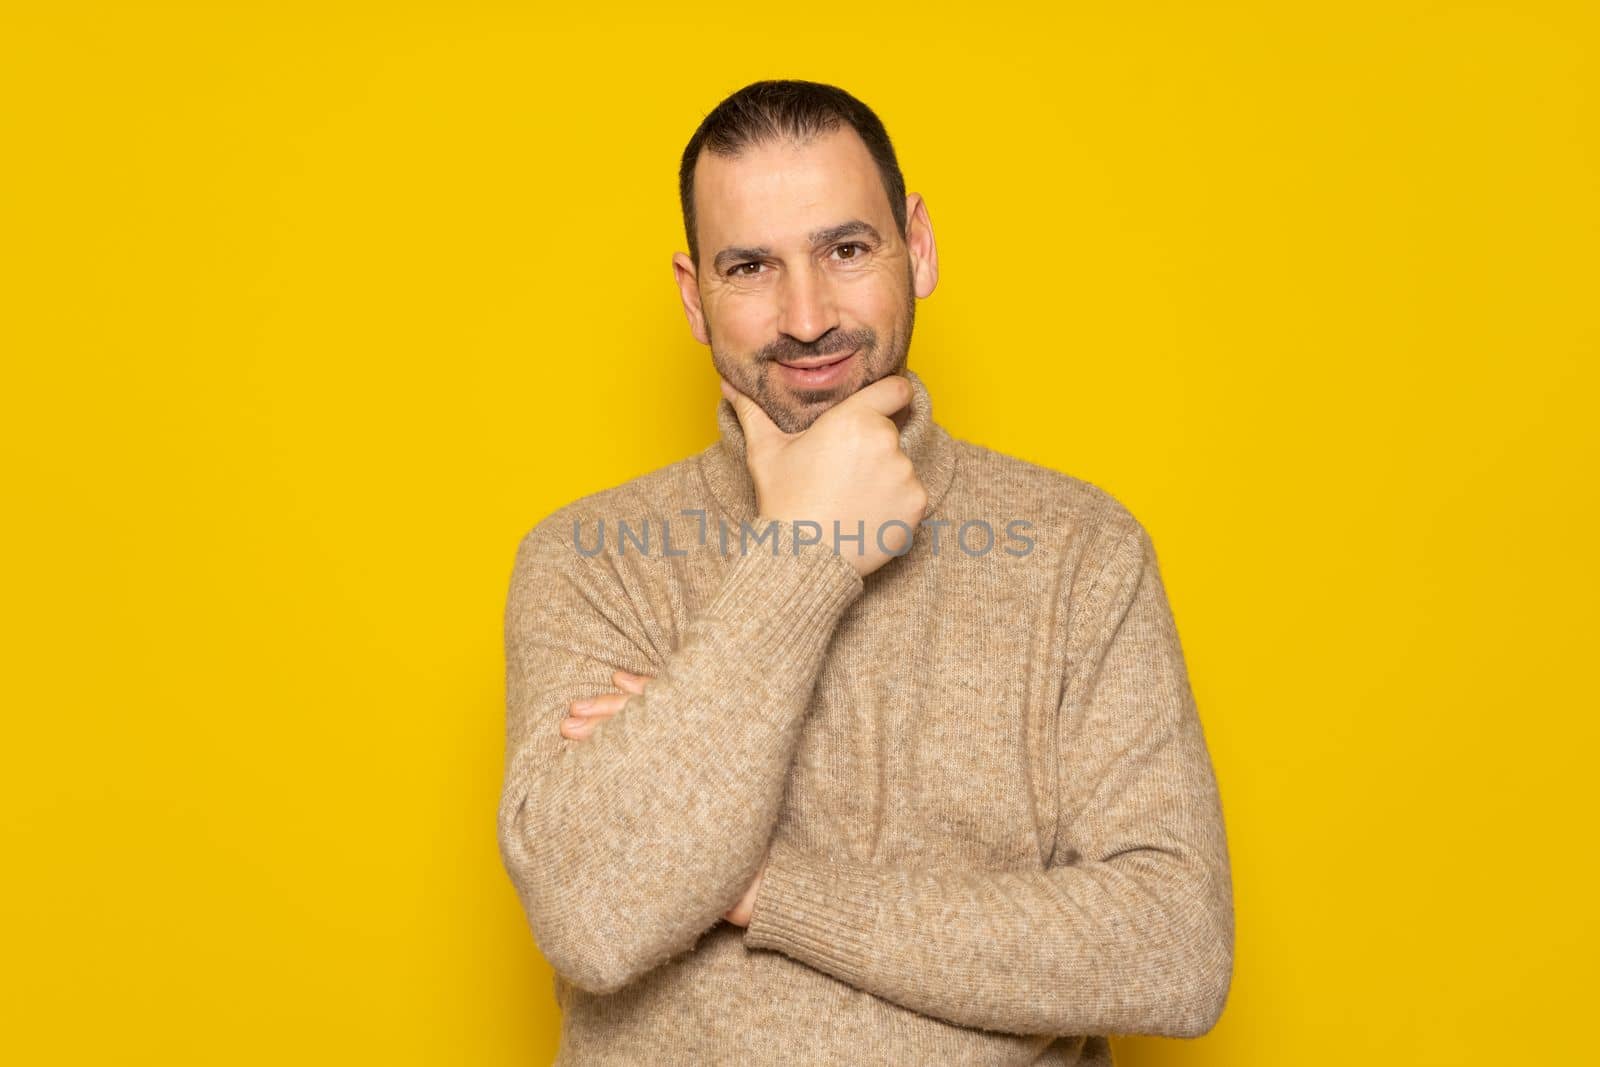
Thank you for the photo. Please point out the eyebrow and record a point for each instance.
(729, 256)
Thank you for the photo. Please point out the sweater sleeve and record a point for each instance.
(1128, 929)
(625, 847)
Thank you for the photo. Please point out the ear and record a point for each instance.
(689, 289)
(919, 242)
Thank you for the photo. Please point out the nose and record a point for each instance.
(806, 307)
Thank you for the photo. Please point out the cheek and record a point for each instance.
(742, 322)
(877, 301)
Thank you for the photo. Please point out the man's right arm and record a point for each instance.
(625, 847)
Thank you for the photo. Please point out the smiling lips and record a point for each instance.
(817, 372)
(815, 362)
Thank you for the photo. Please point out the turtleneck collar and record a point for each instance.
(930, 447)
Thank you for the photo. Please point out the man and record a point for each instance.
(846, 741)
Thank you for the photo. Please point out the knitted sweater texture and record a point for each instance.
(978, 778)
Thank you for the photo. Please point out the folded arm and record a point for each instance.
(1128, 930)
(626, 847)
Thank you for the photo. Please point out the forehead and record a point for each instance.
(780, 191)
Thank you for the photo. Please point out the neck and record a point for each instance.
(930, 447)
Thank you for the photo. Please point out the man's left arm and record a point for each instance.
(1130, 928)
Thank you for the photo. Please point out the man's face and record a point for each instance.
(805, 290)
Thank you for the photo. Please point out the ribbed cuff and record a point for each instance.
(818, 911)
(783, 605)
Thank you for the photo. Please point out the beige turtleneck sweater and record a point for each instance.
(992, 829)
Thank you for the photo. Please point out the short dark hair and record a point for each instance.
(786, 109)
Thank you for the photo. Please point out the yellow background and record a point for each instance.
(311, 310)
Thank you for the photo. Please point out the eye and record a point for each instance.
(738, 270)
(861, 250)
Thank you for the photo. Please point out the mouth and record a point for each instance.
(817, 362)
(814, 373)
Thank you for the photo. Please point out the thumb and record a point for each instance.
(758, 428)
(886, 396)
